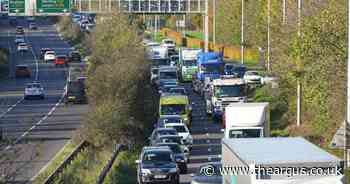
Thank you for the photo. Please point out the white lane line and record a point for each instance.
(36, 124)
(10, 108)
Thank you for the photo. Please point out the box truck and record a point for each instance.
(246, 120)
(278, 161)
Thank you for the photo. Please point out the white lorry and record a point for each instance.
(247, 120)
(222, 92)
(291, 160)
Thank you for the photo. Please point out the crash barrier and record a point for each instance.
(108, 166)
(66, 162)
(230, 52)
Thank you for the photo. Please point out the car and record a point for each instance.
(49, 56)
(61, 60)
(168, 119)
(159, 132)
(178, 90)
(172, 138)
(30, 19)
(205, 177)
(183, 131)
(154, 74)
(22, 71)
(34, 90)
(76, 18)
(157, 165)
(33, 26)
(74, 57)
(252, 77)
(174, 60)
(179, 154)
(166, 88)
(19, 30)
(19, 39)
(235, 69)
(43, 51)
(169, 43)
(22, 47)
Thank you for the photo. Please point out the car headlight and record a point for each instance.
(180, 160)
(145, 172)
(185, 119)
(173, 170)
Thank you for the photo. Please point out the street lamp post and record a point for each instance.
(206, 28)
(268, 33)
(299, 60)
(214, 21)
(242, 31)
(346, 163)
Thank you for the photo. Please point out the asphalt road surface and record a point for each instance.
(206, 134)
(37, 129)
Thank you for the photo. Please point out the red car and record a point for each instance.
(61, 60)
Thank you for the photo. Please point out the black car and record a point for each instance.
(19, 30)
(235, 69)
(180, 156)
(208, 174)
(157, 165)
(74, 57)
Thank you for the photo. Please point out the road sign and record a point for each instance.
(17, 6)
(53, 6)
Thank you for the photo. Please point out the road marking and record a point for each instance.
(36, 124)
(12, 106)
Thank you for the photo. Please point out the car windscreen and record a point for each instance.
(75, 87)
(157, 156)
(177, 90)
(229, 91)
(168, 75)
(179, 128)
(171, 139)
(189, 62)
(171, 120)
(173, 109)
(245, 133)
(33, 86)
(167, 132)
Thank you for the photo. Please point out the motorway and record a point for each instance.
(206, 134)
(37, 129)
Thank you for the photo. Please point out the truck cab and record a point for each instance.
(211, 66)
(247, 120)
(174, 104)
(187, 66)
(166, 74)
(222, 92)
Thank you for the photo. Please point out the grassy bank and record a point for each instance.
(4, 63)
(56, 161)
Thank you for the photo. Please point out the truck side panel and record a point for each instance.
(230, 159)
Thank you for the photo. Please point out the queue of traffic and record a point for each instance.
(246, 125)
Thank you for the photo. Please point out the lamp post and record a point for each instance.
(242, 31)
(346, 122)
(206, 28)
(214, 21)
(298, 64)
(268, 34)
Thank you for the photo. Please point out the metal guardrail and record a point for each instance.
(108, 166)
(66, 162)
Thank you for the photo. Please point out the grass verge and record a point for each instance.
(4, 69)
(55, 162)
(123, 170)
(88, 164)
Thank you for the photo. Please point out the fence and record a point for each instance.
(109, 164)
(66, 162)
(230, 52)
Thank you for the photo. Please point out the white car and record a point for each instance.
(33, 90)
(168, 43)
(252, 77)
(19, 39)
(22, 47)
(182, 131)
(49, 56)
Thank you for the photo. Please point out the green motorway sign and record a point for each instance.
(52, 6)
(17, 6)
